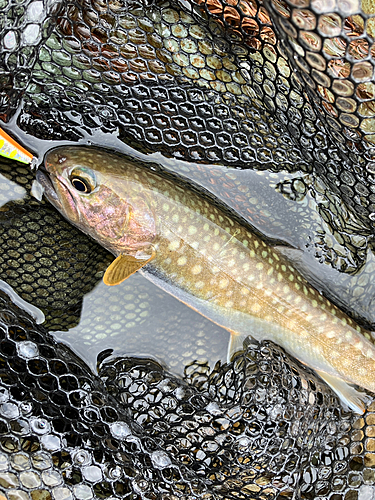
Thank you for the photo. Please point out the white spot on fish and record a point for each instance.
(196, 269)
(223, 283)
(255, 308)
(181, 261)
(174, 245)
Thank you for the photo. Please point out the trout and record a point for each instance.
(196, 249)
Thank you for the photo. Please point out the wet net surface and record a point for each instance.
(259, 427)
(283, 86)
(280, 86)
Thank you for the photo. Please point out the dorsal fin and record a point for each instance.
(123, 267)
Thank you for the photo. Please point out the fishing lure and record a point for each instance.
(11, 149)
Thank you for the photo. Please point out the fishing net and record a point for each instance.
(279, 85)
(283, 86)
(259, 427)
(209, 82)
(44, 258)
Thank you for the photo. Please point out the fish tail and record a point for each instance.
(349, 396)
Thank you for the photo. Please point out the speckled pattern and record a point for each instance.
(260, 427)
(238, 84)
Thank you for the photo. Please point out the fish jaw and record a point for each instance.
(58, 195)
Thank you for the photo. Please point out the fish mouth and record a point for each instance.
(44, 179)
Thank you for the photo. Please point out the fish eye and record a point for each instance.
(83, 181)
(80, 185)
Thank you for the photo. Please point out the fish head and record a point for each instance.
(99, 193)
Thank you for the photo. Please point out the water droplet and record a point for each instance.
(114, 472)
(26, 408)
(120, 430)
(40, 425)
(62, 494)
(83, 492)
(244, 442)
(10, 40)
(51, 442)
(81, 457)
(31, 34)
(160, 459)
(27, 349)
(213, 408)
(106, 113)
(366, 492)
(35, 12)
(140, 486)
(9, 410)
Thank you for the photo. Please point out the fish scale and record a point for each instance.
(279, 290)
(214, 263)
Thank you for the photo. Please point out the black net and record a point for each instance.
(272, 86)
(43, 257)
(283, 86)
(259, 427)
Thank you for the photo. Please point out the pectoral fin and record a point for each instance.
(123, 267)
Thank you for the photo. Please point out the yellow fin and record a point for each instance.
(123, 267)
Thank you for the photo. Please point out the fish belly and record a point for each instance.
(241, 324)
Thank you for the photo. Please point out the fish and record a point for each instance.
(193, 247)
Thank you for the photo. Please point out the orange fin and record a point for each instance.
(123, 267)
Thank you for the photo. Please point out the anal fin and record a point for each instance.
(235, 344)
(355, 400)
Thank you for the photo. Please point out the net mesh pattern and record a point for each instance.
(258, 427)
(277, 85)
(51, 268)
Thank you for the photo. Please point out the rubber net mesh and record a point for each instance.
(285, 86)
(259, 427)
